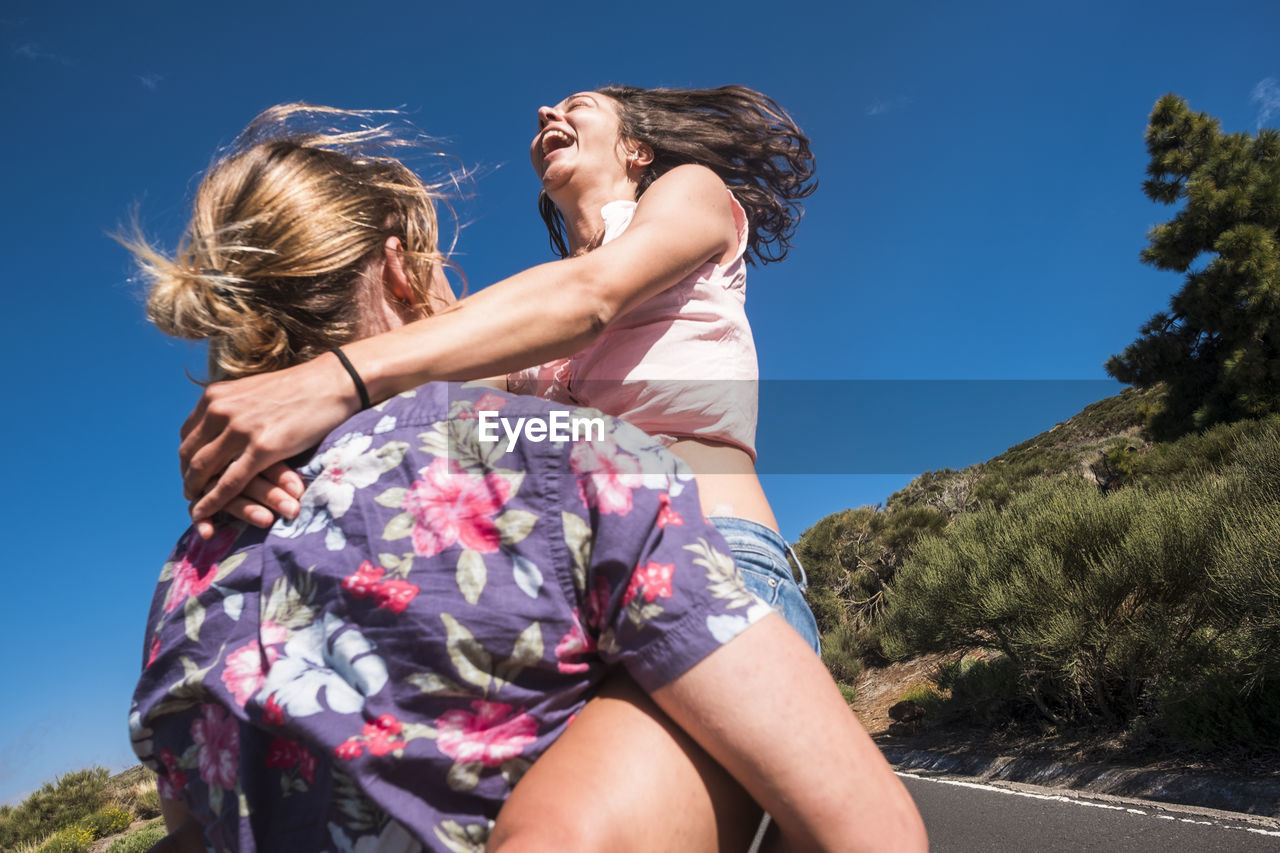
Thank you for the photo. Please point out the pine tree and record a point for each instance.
(1218, 347)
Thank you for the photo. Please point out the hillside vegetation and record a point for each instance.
(1115, 583)
(1119, 571)
(71, 813)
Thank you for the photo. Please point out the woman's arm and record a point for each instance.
(553, 310)
(822, 778)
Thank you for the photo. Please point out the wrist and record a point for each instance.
(336, 385)
(388, 364)
(362, 393)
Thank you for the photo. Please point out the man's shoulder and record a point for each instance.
(482, 428)
(512, 421)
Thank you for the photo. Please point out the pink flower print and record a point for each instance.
(170, 786)
(380, 735)
(283, 753)
(667, 515)
(395, 595)
(489, 734)
(388, 723)
(243, 674)
(173, 780)
(598, 605)
(349, 749)
(306, 764)
(218, 734)
(490, 403)
(381, 744)
(246, 670)
(195, 570)
(286, 754)
(155, 651)
(272, 634)
(362, 582)
(653, 578)
(451, 505)
(487, 403)
(612, 475)
(272, 713)
(573, 645)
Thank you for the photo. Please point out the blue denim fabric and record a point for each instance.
(761, 555)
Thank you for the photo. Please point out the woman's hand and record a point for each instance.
(549, 311)
(241, 427)
(274, 492)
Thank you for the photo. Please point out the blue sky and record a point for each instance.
(979, 217)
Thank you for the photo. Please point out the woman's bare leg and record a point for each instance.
(624, 777)
(184, 832)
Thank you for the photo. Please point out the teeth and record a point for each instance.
(554, 139)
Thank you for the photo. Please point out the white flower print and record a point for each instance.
(334, 657)
(348, 465)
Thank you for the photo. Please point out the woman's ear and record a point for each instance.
(643, 155)
(637, 155)
(394, 278)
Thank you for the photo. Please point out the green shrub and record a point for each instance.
(73, 839)
(982, 691)
(1121, 457)
(1195, 455)
(54, 806)
(147, 804)
(1083, 592)
(1110, 606)
(842, 651)
(107, 822)
(139, 841)
(945, 489)
(833, 552)
(851, 558)
(1234, 696)
(135, 791)
(1215, 711)
(928, 698)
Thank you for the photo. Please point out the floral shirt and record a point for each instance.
(379, 673)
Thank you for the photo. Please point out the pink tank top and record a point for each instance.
(681, 365)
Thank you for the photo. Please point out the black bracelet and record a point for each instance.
(355, 377)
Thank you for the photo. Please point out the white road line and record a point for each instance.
(1081, 802)
(983, 787)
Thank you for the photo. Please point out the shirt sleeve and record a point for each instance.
(660, 588)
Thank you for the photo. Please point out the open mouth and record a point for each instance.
(554, 140)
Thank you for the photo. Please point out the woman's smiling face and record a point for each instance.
(580, 135)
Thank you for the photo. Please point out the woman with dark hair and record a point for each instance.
(379, 673)
(740, 134)
(656, 200)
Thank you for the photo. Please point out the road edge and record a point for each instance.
(1257, 797)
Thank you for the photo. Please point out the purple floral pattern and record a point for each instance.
(397, 657)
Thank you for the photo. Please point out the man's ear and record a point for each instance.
(393, 274)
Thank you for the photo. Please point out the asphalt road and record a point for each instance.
(968, 817)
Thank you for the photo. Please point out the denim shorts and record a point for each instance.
(761, 555)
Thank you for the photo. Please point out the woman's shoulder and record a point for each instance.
(690, 179)
(691, 199)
